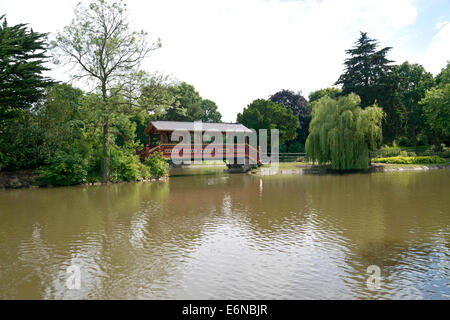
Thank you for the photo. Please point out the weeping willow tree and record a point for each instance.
(342, 133)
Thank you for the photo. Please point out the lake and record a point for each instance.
(238, 236)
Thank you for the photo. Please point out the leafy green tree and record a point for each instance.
(265, 114)
(54, 124)
(365, 70)
(186, 105)
(436, 106)
(299, 107)
(210, 113)
(394, 121)
(342, 133)
(444, 76)
(333, 93)
(100, 43)
(20, 141)
(412, 81)
(59, 115)
(156, 97)
(23, 53)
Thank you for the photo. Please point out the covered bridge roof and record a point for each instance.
(189, 126)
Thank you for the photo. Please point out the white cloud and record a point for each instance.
(438, 52)
(234, 51)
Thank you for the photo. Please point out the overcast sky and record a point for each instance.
(236, 51)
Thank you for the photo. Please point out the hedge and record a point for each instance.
(411, 160)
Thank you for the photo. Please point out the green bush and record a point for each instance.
(405, 142)
(3, 161)
(158, 165)
(445, 154)
(387, 151)
(441, 151)
(411, 160)
(296, 147)
(63, 169)
(125, 166)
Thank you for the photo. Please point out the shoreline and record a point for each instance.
(24, 178)
(300, 168)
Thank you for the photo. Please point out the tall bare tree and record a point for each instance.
(103, 50)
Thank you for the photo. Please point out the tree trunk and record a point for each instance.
(106, 147)
(438, 141)
(106, 142)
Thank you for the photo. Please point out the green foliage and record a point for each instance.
(296, 147)
(63, 169)
(70, 168)
(55, 123)
(333, 93)
(102, 47)
(445, 153)
(390, 151)
(265, 114)
(342, 133)
(411, 160)
(188, 105)
(423, 150)
(125, 166)
(300, 108)
(366, 69)
(155, 94)
(443, 77)
(157, 165)
(21, 141)
(436, 105)
(412, 81)
(22, 58)
(210, 112)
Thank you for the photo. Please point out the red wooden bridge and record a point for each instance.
(239, 153)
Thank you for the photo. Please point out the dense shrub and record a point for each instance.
(126, 166)
(423, 150)
(157, 165)
(441, 151)
(71, 168)
(63, 169)
(296, 147)
(445, 154)
(389, 151)
(411, 160)
(405, 142)
(3, 160)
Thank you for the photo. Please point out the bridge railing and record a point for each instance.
(289, 156)
(229, 150)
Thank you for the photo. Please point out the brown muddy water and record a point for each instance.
(220, 236)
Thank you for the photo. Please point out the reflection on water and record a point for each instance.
(231, 237)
